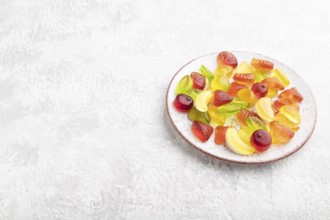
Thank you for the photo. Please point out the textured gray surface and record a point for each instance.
(84, 134)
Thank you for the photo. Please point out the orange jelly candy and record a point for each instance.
(275, 109)
(283, 101)
(262, 64)
(280, 133)
(244, 78)
(244, 114)
(220, 134)
(273, 83)
(292, 94)
(234, 88)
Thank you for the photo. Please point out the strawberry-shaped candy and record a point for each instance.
(199, 80)
(201, 130)
(221, 98)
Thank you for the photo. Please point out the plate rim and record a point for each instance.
(236, 161)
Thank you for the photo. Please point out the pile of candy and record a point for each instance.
(242, 103)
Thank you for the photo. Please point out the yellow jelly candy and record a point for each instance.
(280, 118)
(291, 112)
(281, 76)
(202, 100)
(216, 117)
(247, 95)
(237, 144)
(244, 67)
(220, 83)
(245, 134)
(264, 109)
(271, 93)
(224, 70)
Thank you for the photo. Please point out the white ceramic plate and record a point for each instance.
(183, 125)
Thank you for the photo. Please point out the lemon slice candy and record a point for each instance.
(237, 144)
(264, 109)
(202, 100)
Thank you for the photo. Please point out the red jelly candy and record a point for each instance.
(227, 58)
(199, 80)
(201, 130)
(221, 98)
(183, 103)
